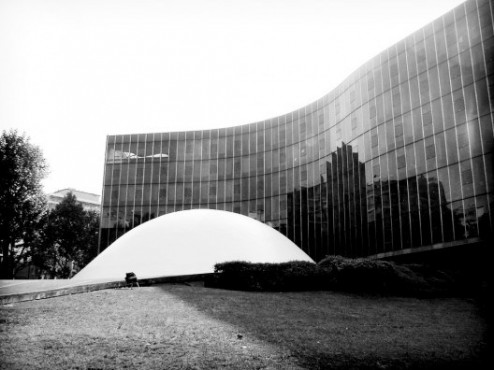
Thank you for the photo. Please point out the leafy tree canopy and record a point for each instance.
(22, 202)
(68, 238)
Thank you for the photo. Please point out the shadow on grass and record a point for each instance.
(334, 330)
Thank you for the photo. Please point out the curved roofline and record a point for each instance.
(368, 61)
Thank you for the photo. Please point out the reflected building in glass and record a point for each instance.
(397, 159)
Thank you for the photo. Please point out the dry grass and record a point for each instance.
(182, 327)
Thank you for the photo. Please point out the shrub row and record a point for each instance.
(296, 275)
(332, 273)
(384, 277)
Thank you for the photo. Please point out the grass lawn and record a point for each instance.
(191, 327)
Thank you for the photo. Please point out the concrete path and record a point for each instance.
(12, 291)
(28, 286)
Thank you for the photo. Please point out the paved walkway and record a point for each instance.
(29, 286)
(12, 291)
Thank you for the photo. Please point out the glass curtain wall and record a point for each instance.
(398, 157)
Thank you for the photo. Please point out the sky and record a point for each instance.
(74, 71)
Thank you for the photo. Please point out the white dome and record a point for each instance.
(190, 242)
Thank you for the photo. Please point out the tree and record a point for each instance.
(67, 240)
(22, 202)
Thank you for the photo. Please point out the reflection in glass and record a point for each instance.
(398, 156)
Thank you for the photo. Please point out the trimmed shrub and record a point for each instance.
(384, 277)
(295, 275)
(332, 273)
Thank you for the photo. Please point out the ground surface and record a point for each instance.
(27, 286)
(17, 287)
(191, 327)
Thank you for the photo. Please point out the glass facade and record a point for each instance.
(398, 158)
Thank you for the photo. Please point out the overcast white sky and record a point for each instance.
(74, 71)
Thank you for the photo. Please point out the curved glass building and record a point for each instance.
(397, 159)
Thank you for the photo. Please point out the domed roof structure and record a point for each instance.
(190, 242)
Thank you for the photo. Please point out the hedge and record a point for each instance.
(295, 275)
(332, 273)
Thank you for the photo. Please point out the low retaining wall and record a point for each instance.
(86, 288)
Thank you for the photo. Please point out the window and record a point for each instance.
(374, 138)
(162, 194)
(401, 161)
(467, 177)
(430, 151)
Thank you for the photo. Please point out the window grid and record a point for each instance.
(316, 175)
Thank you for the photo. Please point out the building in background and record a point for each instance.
(397, 159)
(90, 201)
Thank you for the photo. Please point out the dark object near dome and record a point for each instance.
(131, 279)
